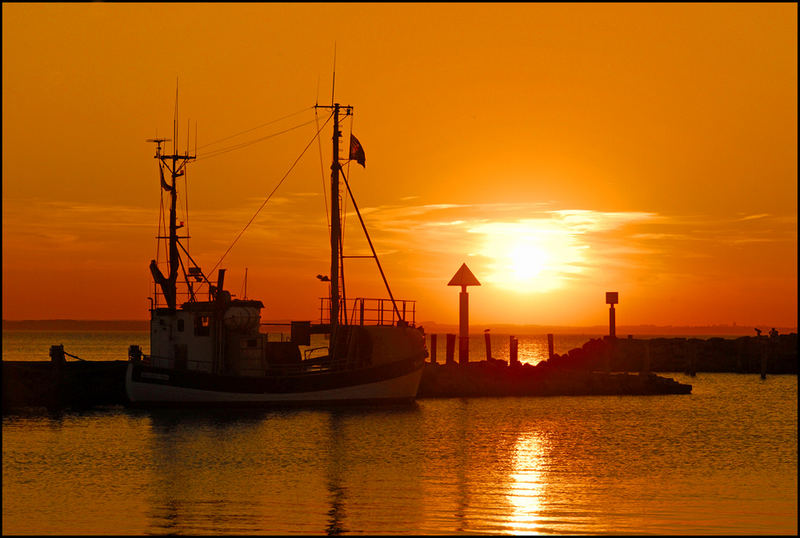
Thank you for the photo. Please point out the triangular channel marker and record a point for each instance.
(463, 278)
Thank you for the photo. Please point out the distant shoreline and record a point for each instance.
(622, 331)
(430, 328)
(75, 325)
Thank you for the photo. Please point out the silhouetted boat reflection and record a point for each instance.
(335, 480)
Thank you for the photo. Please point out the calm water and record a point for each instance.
(722, 460)
(113, 345)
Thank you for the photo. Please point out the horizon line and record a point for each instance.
(476, 326)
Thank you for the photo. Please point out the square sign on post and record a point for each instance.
(612, 297)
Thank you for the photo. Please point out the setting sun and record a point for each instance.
(533, 255)
(527, 262)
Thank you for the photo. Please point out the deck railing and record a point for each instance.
(370, 311)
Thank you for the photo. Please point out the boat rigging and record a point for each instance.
(211, 351)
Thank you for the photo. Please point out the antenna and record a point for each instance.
(175, 121)
(158, 141)
(333, 83)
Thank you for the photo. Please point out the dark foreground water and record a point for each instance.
(722, 460)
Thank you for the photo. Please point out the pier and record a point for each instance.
(628, 366)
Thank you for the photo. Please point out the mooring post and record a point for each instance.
(433, 349)
(549, 346)
(134, 352)
(449, 357)
(487, 339)
(57, 356)
(513, 351)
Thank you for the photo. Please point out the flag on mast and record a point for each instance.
(357, 152)
(164, 184)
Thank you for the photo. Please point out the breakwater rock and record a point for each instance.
(770, 355)
(497, 378)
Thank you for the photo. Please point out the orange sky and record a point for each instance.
(561, 151)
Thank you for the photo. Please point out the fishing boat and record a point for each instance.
(208, 348)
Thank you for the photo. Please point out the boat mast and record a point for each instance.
(336, 226)
(176, 165)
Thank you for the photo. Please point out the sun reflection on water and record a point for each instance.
(526, 485)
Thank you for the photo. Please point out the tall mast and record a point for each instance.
(176, 165)
(336, 225)
(336, 230)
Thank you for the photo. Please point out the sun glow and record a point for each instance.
(536, 255)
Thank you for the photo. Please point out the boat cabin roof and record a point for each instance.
(202, 306)
(210, 306)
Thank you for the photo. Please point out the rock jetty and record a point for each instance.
(746, 355)
(496, 378)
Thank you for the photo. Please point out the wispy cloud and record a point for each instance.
(521, 239)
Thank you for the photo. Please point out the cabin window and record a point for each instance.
(202, 326)
(180, 325)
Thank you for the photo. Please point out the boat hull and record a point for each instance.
(396, 382)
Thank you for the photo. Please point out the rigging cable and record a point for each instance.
(343, 205)
(248, 130)
(270, 194)
(161, 231)
(161, 223)
(322, 172)
(372, 248)
(344, 198)
(216, 152)
(186, 185)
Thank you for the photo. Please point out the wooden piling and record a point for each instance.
(513, 351)
(550, 347)
(487, 339)
(450, 350)
(764, 348)
(433, 349)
